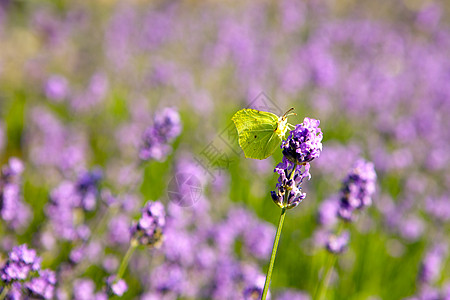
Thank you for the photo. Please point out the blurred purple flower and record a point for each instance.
(87, 188)
(42, 287)
(358, 188)
(328, 212)
(254, 291)
(337, 158)
(110, 263)
(410, 227)
(20, 263)
(116, 287)
(149, 229)
(120, 36)
(119, 229)
(432, 264)
(77, 254)
(429, 17)
(168, 278)
(15, 292)
(84, 289)
(56, 88)
(338, 243)
(179, 246)
(12, 208)
(228, 274)
(258, 238)
(69, 196)
(93, 95)
(157, 27)
(52, 144)
(293, 14)
(156, 139)
(438, 208)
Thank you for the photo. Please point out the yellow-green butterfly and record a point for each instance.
(260, 132)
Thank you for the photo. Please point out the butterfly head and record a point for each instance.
(282, 125)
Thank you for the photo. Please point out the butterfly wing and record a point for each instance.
(257, 132)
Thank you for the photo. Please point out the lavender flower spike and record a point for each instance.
(157, 138)
(304, 142)
(302, 146)
(13, 210)
(42, 287)
(149, 229)
(338, 243)
(289, 193)
(21, 262)
(116, 287)
(432, 264)
(357, 189)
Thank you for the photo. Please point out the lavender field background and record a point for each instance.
(107, 105)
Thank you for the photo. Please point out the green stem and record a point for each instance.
(323, 284)
(322, 287)
(293, 171)
(4, 292)
(274, 254)
(126, 259)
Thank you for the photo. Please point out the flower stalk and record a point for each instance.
(322, 287)
(274, 253)
(4, 292)
(303, 145)
(126, 259)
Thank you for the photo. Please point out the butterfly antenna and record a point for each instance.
(289, 113)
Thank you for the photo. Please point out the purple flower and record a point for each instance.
(304, 142)
(258, 238)
(338, 243)
(110, 263)
(328, 212)
(149, 229)
(43, 286)
(302, 146)
(84, 289)
(179, 246)
(87, 188)
(168, 278)
(93, 95)
(51, 144)
(358, 188)
(156, 138)
(12, 209)
(119, 229)
(410, 227)
(167, 124)
(15, 292)
(56, 88)
(438, 208)
(69, 196)
(77, 254)
(254, 291)
(432, 264)
(289, 193)
(116, 287)
(21, 262)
